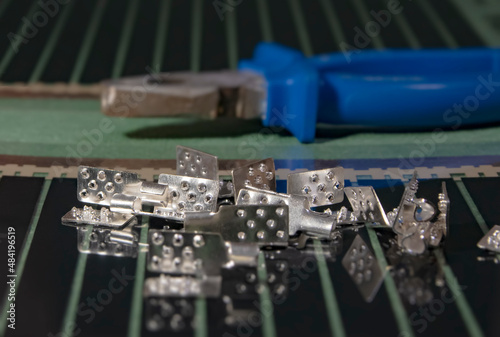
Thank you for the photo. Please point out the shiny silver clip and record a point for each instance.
(197, 164)
(187, 194)
(260, 174)
(265, 225)
(97, 218)
(365, 204)
(301, 217)
(415, 221)
(321, 187)
(120, 190)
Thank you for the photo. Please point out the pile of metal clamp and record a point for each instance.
(212, 224)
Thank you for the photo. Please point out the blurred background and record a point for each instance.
(53, 49)
(88, 41)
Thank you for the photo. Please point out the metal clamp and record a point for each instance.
(122, 191)
(416, 223)
(187, 194)
(98, 218)
(265, 225)
(301, 218)
(366, 205)
(321, 187)
(197, 164)
(260, 174)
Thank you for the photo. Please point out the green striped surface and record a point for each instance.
(268, 328)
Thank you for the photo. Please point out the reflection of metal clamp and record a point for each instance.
(184, 253)
(169, 314)
(182, 286)
(491, 241)
(236, 315)
(104, 232)
(362, 267)
(107, 241)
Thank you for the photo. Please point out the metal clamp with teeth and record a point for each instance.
(188, 194)
(415, 221)
(260, 174)
(171, 197)
(97, 186)
(321, 187)
(407, 199)
(443, 217)
(121, 191)
(264, 225)
(344, 217)
(194, 163)
(301, 217)
(197, 164)
(365, 204)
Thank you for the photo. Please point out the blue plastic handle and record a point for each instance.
(405, 88)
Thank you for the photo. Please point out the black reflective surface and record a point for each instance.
(299, 307)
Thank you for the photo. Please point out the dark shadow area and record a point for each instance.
(233, 127)
(199, 128)
(325, 132)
